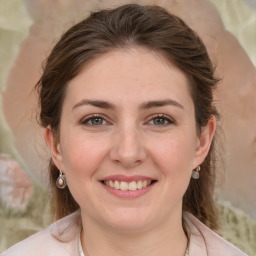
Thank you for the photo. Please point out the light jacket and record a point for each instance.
(62, 239)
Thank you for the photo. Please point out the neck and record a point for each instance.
(168, 238)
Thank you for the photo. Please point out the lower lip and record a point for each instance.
(128, 194)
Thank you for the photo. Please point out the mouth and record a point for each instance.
(128, 186)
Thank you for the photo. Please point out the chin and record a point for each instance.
(128, 220)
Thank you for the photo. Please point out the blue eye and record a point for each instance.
(94, 121)
(161, 120)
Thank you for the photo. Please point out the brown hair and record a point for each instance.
(128, 26)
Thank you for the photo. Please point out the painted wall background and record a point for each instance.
(28, 31)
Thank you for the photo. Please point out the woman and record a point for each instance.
(126, 102)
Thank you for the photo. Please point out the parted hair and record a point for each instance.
(127, 26)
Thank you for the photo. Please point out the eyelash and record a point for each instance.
(162, 116)
(90, 118)
(95, 116)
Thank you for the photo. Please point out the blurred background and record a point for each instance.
(28, 31)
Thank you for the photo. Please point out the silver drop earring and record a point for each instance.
(195, 173)
(61, 181)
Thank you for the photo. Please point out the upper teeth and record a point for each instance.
(123, 185)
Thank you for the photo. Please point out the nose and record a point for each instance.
(128, 147)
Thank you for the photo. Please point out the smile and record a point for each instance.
(127, 186)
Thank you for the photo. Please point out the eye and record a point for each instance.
(95, 120)
(160, 120)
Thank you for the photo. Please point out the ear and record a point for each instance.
(204, 141)
(54, 147)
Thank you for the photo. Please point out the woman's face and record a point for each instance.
(128, 140)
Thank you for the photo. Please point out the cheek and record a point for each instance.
(174, 154)
(82, 159)
(83, 156)
(174, 157)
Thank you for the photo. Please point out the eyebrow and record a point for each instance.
(95, 103)
(143, 106)
(160, 103)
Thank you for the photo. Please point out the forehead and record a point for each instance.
(134, 72)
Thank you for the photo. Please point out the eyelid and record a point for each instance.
(86, 119)
(168, 118)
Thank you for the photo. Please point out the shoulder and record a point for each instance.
(208, 242)
(58, 239)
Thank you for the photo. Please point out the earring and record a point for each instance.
(61, 181)
(195, 173)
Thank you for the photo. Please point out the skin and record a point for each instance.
(130, 140)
